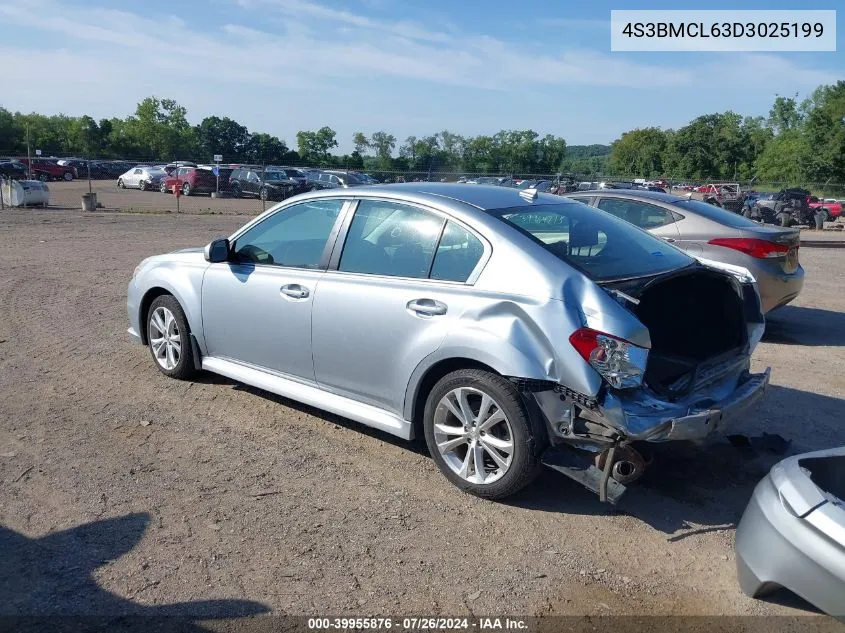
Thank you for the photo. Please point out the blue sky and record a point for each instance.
(407, 67)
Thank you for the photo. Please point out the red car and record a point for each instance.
(44, 169)
(833, 207)
(190, 180)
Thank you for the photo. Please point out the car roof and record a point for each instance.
(484, 197)
(644, 194)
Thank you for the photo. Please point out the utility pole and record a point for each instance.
(28, 154)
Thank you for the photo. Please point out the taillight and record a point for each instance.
(761, 249)
(620, 362)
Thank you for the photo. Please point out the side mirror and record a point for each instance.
(217, 251)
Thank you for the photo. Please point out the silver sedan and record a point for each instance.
(509, 328)
(707, 231)
(142, 177)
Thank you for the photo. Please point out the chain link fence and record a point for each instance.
(98, 181)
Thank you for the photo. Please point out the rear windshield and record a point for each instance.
(597, 243)
(717, 214)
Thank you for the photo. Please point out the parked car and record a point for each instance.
(45, 170)
(704, 230)
(189, 181)
(792, 534)
(509, 328)
(333, 178)
(142, 177)
(171, 167)
(266, 184)
(831, 207)
(12, 169)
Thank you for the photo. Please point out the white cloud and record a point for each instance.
(313, 57)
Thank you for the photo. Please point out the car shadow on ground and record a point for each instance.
(48, 583)
(797, 325)
(688, 489)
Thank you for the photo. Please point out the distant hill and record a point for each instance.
(587, 151)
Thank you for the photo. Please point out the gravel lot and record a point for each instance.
(122, 490)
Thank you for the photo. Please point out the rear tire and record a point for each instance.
(142, 185)
(163, 187)
(499, 438)
(169, 338)
(44, 177)
(235, 190)
(262, 193)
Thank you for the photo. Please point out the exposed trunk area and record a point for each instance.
(695, 321)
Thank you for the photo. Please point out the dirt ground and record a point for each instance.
(68, 195)
(124, 491)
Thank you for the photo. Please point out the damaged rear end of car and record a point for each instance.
(671, 338)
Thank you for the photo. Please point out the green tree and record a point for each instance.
(361, 143)
(266, 149)
(638, 153)
(383, 144)
(784, 159)
(784, 114)
(824, 130)
(222, 136)
(314, 146)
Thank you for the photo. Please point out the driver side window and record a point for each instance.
(295, 236)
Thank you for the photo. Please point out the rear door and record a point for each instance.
(390, 296)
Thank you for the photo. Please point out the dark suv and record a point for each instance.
(272, 184)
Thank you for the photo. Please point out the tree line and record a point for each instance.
(797, 142)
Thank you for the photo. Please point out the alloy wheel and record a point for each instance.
(165, 338)
(473, 435)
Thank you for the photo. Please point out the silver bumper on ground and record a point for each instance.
(792, 534)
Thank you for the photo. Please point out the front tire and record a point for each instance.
(263, 194)
(68, 176)
(479, 434)
(120, 184)
(169, 338)
(186, 189)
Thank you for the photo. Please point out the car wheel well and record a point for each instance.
(146, 302)
(432, 375)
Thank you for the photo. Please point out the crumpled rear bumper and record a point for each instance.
(645, 417)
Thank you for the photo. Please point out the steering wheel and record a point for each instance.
(255, 254)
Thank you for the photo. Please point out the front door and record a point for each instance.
(256, 308)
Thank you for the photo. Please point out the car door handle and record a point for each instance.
(427, 307)
(294, 291)
(668, 239)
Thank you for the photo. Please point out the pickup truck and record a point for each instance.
(832, 207)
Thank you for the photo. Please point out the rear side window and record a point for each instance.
(388, 238)
(457, 254)
(717, 214)
(599, 244)
(641, 214)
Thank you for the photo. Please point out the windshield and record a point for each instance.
(597, 243)
(717, 214)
